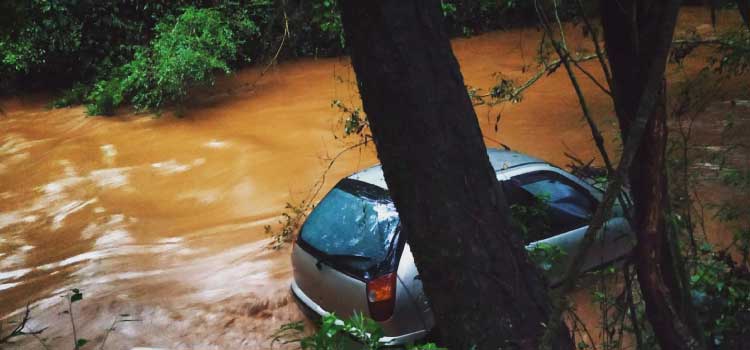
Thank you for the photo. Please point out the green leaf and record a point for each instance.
(76, 297)
(81, 342)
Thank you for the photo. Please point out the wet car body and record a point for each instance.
(351, 255)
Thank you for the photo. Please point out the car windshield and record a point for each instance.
(354, 226)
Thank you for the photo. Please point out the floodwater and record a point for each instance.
(163, 218)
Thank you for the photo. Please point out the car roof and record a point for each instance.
(499, 159)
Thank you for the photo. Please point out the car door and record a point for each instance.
(616, 238)
(567, 206)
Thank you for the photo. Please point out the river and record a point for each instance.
(162, 218)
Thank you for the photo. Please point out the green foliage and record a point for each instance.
(467, 17)
(546, 255)
(150, 53)
(731, 55)
(104, 97)
(505, 89)
(185, 53)
(75, 95)
(354, 120)
(719, 282)
(291, 221)
(359, 332)
(326, 17)
(60, 42)
(721, 288)
(448, 8)
(75, 295)
(532, 220)
(733, 52)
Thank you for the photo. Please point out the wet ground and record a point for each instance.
(163, 218)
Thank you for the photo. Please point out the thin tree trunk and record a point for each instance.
(634, 51)
(482, 287)
(653, 260)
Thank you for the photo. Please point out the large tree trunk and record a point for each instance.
(633, 48)
(482, 287)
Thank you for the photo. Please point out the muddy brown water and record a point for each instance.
(162, 218)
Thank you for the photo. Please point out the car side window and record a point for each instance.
(545, 203)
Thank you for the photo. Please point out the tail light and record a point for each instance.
(381, 296)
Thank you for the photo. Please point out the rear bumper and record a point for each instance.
(309, 307)
(313, 310)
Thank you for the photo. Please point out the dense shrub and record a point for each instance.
(187, 50)
(146, 52)
(466, 17)
(58, 42)
(721, 288)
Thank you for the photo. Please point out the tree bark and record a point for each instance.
(635, 50)
(482, 287)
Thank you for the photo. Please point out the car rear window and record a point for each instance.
(355, 227)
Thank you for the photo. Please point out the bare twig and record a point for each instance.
(19, 329)
(299, 212)
(319, 184)
(548, 68)
(72, 323)
(577, 321)
(41, 341)
(566, 58)
(592, 78)
(634, 135)
(118, 319)
(595, 40)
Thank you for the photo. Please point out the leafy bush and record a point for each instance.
(336, 334)
(186, 52)
(326, 17)
(104, 98)
(467, 17)
(60, 42)
(546, 256)
(150, 53)
(721, 288)
(75, 95)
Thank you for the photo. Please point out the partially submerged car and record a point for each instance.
(351, 254)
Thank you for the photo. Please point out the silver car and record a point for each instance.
(351, 255)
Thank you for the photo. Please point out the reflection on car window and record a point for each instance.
(356, 221)
(546, 204)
